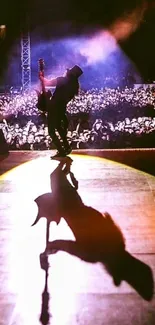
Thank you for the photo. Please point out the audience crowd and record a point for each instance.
(99, 118)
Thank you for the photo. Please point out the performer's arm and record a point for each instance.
(47, 82)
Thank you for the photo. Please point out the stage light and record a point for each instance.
(2, 31)
(2, 27)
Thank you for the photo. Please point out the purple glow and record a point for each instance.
(99, 47)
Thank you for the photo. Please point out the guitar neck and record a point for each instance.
(42, 86)
(41, 70)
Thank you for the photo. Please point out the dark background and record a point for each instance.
(83, 16)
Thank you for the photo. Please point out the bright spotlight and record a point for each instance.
(2, 27)
(2, 31)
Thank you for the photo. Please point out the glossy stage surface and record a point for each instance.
(101, 266)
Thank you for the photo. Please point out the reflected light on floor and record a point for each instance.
(22, 244)
(25, 278)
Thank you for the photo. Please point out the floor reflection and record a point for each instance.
(52, 295)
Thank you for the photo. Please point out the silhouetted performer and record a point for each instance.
(66, 88)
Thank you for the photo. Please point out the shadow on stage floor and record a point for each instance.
(97, 237)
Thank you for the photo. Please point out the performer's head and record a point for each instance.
(76, 72)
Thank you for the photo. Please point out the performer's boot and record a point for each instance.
(68, 150)
(59, 154)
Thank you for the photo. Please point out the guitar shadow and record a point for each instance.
(45, 315)
(97, 237)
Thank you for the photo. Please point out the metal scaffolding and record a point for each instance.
(26, 59)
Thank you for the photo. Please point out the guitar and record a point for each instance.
(44, 97)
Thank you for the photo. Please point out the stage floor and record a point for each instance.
(79, 289)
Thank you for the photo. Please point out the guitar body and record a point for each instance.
(44, 100)
(44, 97)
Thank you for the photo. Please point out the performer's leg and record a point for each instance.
(55, 139)
(62, 129)
(63, 135)
(65, 123)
